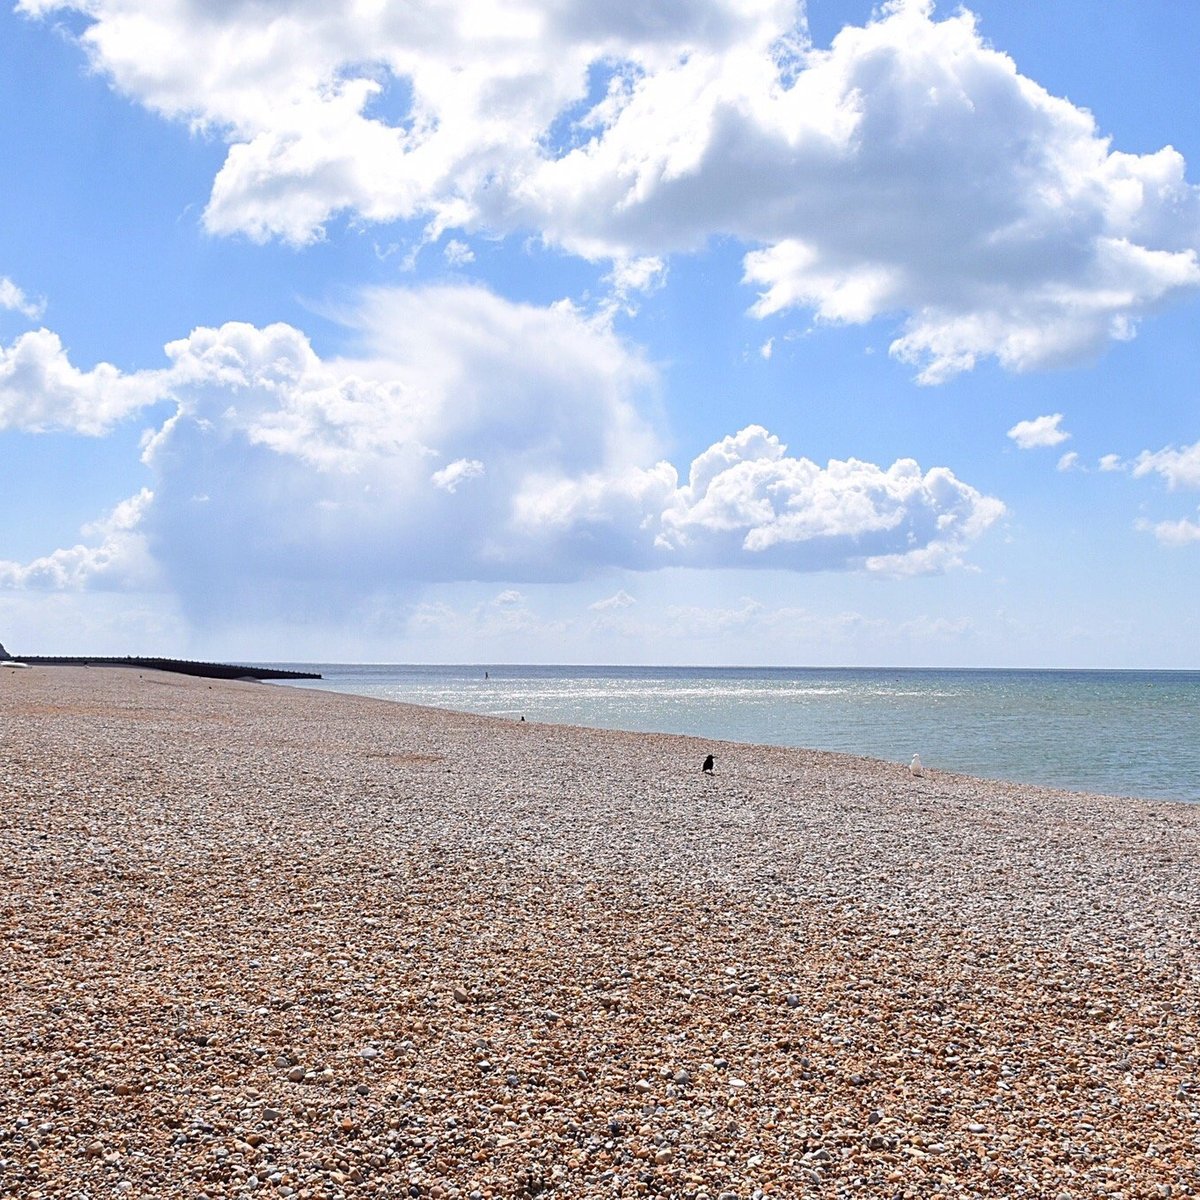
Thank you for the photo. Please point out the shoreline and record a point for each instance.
(516, 716)
(350, 947)
(1153, 791)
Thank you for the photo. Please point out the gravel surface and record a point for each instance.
(260, 940)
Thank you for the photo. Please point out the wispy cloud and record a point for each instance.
(1180, 467)
(449, 478)
(15, 300)
(457, 253)
(1172, 533)
(618, 600)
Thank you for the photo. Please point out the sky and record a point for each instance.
(707, 332)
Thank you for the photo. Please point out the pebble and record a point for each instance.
(509, 981)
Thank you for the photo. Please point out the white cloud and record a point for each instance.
(700, 621)
(909, 171)
(1040, 432)
(15, 300)
(747, 503)
(36, 621)
(1172, 533)
(1179, 467)
(742, 630)
(630, 275)
(767, 348)
(620, 599)
(1069, 462)
(326, 472)
(459, 471)
(118, 559)
(506, 615)
(472, 90)
(458, 254)
(284, 480)
(1111, 462)
(41, 391)
(628, 281)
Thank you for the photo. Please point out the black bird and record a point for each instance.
(708, 765)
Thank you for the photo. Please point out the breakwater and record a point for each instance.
(205, 670)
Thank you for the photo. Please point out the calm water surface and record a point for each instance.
(1134, 733)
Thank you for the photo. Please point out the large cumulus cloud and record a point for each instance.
(471, 438)
(909, 170)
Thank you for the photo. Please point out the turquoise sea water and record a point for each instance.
(1128, 733)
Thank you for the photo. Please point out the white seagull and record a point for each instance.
(914, 767)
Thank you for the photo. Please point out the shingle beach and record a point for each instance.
(286, 943)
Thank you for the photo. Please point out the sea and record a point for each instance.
(1123, 733)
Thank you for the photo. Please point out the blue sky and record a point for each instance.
(727, 333)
